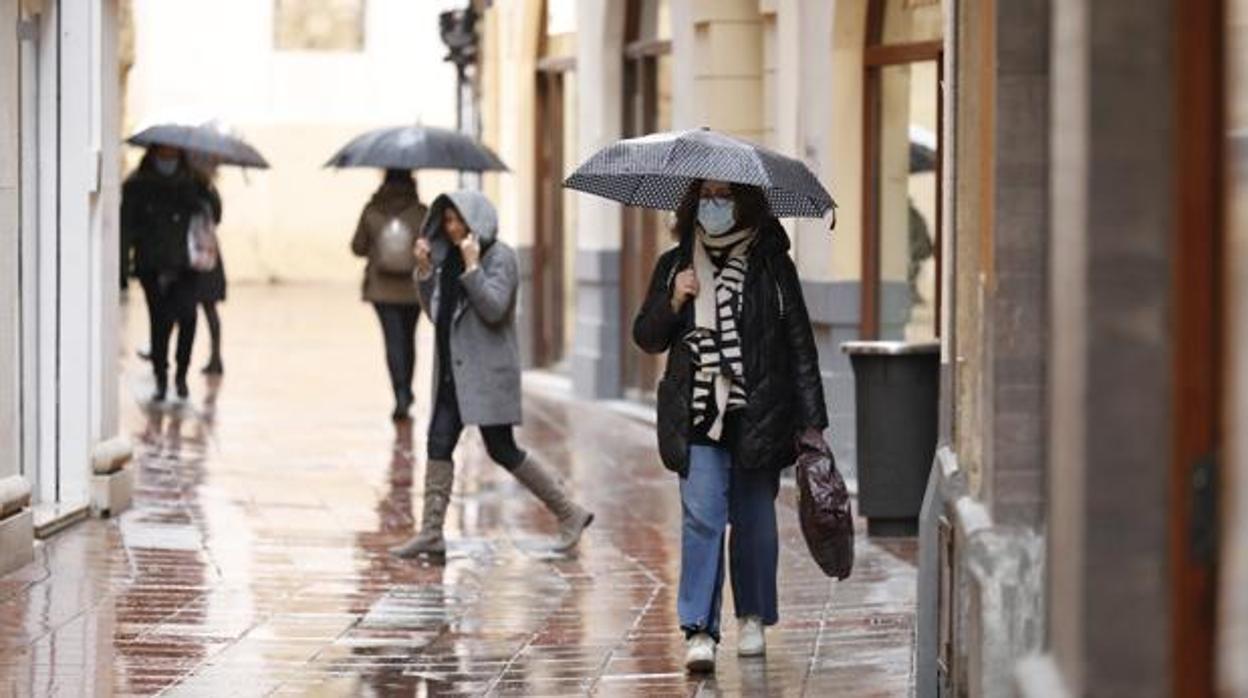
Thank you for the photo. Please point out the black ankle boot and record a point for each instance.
(162, 388)
(402, 408)
(214, 367)
(183, 390)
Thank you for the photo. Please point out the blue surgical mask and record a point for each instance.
(166, 166)
(716, 215)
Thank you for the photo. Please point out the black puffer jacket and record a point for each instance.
(785, 390)
(155, 214)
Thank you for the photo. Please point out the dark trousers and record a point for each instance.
(171, 300)
(214, 327)
(398, 327)
(445, 427)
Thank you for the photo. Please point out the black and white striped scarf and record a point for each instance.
(719, 371)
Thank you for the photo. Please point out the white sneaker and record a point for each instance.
(700, 654)
(750, 639)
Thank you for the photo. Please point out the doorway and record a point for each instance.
(554, 246)
(1197, 337)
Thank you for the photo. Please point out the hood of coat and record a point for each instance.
(475, 209)
(392, 198)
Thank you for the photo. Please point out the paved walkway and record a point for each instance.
(254, 562)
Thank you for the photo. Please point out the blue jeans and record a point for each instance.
(714, 495)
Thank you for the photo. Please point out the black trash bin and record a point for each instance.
(897, 388)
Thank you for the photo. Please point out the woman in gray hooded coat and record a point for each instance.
(467, 281)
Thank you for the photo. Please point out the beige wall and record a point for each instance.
(725, 91)
(600, 83)
(785, 73)
(509, 111)
(294, 221)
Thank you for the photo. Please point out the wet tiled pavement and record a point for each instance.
(254, 562)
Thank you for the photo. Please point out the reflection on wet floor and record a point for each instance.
(254, 562)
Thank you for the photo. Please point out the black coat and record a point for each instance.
(212, 283)
(155, 215)
(785, 389)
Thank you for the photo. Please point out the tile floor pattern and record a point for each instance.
(254, 562)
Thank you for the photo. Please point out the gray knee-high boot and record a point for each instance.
(542, 482)
(439, 478)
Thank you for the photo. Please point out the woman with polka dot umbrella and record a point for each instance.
(655, 171)
(742, 386)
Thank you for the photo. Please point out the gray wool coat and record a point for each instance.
(485, 354)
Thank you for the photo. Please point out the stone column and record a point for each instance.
(519, 26)
(16, 522)
(112, 483)
(78, 169)
(988, 483)
(1112, 397)
(596, 354)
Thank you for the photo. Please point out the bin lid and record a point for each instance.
(890, 348)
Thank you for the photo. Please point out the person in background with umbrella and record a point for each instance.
(742, 382)
(212, 284)
(385, 236)
(157, 202)
(468, 280)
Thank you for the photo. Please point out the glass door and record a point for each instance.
(902, 163)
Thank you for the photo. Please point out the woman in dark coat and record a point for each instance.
(157, 203)
(742, 383)
(211, 283)
(388, 229)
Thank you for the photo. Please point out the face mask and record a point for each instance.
(716, 215)
(166, 166)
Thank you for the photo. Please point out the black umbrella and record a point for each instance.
(655, 171)
(417, 148)
(922, 150)
(206, 139)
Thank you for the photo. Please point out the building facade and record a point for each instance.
(1063, 211)
(1006, 174)
(59, 192)
(850, 90)
(1084, 529)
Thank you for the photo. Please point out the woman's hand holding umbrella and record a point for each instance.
(685, 287)
(424, 258)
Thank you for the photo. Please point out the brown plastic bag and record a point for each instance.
(824, 509)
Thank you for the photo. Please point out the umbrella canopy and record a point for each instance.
(417, 148)
(207, 139)
(655, 171)
(922, 150)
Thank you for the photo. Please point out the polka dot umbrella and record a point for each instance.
(655, 171)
